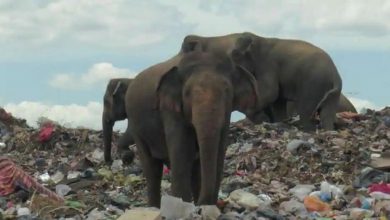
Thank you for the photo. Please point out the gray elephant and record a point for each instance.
(179, 112)
(114, 110)
(291, 70)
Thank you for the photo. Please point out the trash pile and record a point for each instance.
(272, 171)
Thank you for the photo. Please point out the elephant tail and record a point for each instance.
(332, 94)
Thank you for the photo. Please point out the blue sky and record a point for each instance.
(57, 55)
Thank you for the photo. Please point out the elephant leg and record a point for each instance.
(152, 170)
(268, 113)
(181, 156)
(279, 110)
(261, 116)
(291, 109)
(123, 147)
(181, 144)
(328, 112)
(107, 138)
(196, 180)
(305, 111)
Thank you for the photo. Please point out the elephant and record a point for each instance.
(114, 110)
(291, 70)
(179, 111)
(344, 105)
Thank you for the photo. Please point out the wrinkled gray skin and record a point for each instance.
(344, 105)
(114, 110)
(179, 112)
(291, 70)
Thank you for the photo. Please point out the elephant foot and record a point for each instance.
(107, 158)
(308, 126)
(108, 161)
(127, 157)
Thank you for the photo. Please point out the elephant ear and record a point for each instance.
(117, 87)
(246, 92)
(241, 53)
(169, 91)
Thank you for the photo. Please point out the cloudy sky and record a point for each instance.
(56, 56)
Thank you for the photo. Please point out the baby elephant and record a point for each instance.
(114, 110)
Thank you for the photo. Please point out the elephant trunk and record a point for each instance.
(108, 124)
(209, 122)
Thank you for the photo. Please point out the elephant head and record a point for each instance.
(202, 91)
(114, 110)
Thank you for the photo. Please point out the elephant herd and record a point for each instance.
(179, 110)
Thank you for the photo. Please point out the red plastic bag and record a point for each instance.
(46, 132)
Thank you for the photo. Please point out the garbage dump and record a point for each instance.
(272, 171)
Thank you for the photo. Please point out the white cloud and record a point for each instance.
(73, 115)
(352, 24)
(103, 23)
(361, 104)
(97, 74)
(125, 24)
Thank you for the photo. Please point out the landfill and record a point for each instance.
(272, 171)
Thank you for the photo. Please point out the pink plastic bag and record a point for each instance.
(46, 132)
(166, 170)
(379, 187)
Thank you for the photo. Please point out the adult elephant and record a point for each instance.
(114, 97)
(291, 70)
(179, 112)
(114, 110)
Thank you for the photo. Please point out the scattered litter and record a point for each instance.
(249, 200)
(145, 214)
(175, 208)
(272, 171)
(63, 190)
(44, 177)
(314, 204)
(57, 177)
